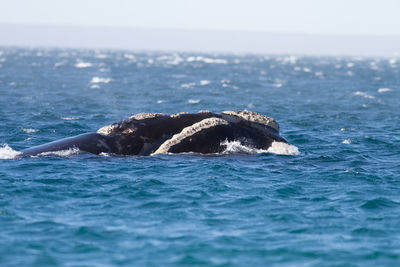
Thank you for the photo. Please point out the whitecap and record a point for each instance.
(277, 85)
(100, 80)
(289, 59)
(175, 61)
(194, 101)
(205, 82)
(306, 69)
(61, 153)
(58, 64)
(363, 94)
(101, 56)
(207, 60)
(129, 56)
(350, 64)
(346, 142)
(171, 60)
(384, 90)
(6, 152)
(94, 86)
(30, 130)
(70, 118)
(82, 64)
(319, 74)
(187, 85)
(160, 101)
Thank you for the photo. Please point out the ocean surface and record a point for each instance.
(334, 203)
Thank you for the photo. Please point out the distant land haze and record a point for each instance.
(98, 37)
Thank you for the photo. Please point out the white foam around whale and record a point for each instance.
(282, 148)
(279, 148)
(6, 152)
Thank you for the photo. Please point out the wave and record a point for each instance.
(100, 80)
(30, 130)
(70, 118)
(194, 101)
(363, 94)
(83, 64)
(383, 90)
(207, 60)
(6, 152)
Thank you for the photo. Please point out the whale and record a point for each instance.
(147, 134)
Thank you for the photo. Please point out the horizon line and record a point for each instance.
(197, 40)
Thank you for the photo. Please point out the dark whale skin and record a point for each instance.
(155, 133)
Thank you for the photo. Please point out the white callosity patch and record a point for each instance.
(109, 129)
(106, 130)
(177, 115)
(143, 116)
(253, 117)
(189, 131)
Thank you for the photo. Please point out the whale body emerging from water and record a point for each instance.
(155, 133)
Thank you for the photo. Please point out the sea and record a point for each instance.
(332, 198)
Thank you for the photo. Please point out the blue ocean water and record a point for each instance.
(336, 203)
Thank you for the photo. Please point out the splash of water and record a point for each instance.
(6, 152)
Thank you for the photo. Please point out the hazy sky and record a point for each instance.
(372, 17)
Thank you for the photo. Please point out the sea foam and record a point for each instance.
(100, 80)
(6, 152)
(363, 94)
(207, 60)
(282, 148)
(383, 90)
(279, 148)
(83, 64)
